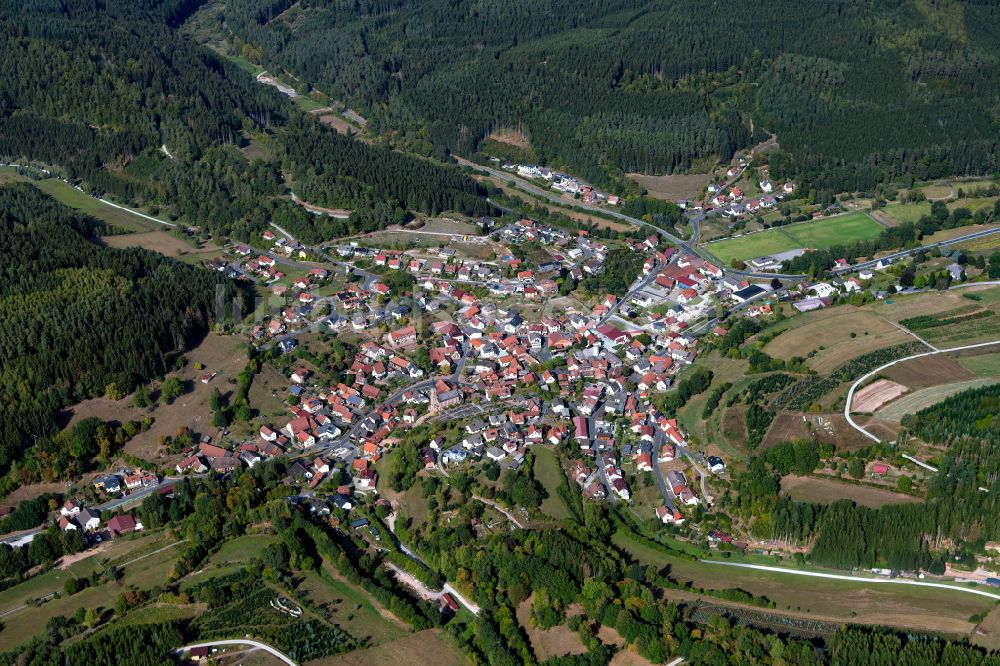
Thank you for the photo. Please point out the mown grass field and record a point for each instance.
(345, 604)
(827, 491)
(818, 234)
(423, 647)
(983, 365)
(550, 475)
(74, 198)
(932, 395)
(22, 618)
(911, 212)
(673, 187)
(831, 329)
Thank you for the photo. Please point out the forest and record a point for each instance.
(857, 93)
(78, 318)
(95, 90)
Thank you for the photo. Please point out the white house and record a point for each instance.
(824, 289)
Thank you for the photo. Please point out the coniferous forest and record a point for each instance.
(76, 317)
(95, 89)
(857, 92)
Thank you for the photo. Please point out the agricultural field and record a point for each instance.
(827, 491)
(423, 647)
(987, 634)
(831, 329)
(982, 365)
(164, 243)
(914, 402)
(948, 234)
(968, 331)
(817, 234)
(876, 394)
(677, 187)
(924, 303)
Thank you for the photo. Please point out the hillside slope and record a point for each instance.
(856, 91)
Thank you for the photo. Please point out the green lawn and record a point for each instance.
(912, 212)
(74, 198)
(241, 549)
(348, 606)
(307, 103)
(549, 474)
(818, 234)
(984, 365)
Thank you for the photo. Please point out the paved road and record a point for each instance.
(905, 253)
(685, 246)
(555, 198)
(856, 579)
(241, 641)
(854, 386)
(22, 538)
(654, 451)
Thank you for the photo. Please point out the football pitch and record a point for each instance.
(818, 234)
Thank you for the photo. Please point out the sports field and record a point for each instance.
(819, 234)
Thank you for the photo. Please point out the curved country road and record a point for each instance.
(856, 579)
(242, 641)
(854, 386)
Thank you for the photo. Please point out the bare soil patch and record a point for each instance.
(675, 187)
(546, 643)
(928, 371)
(629, 658)
(788, 426)
(512, 137)
(827, 491)
(338, 123)
(162, 242)
(876, 394)
(610, 636)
